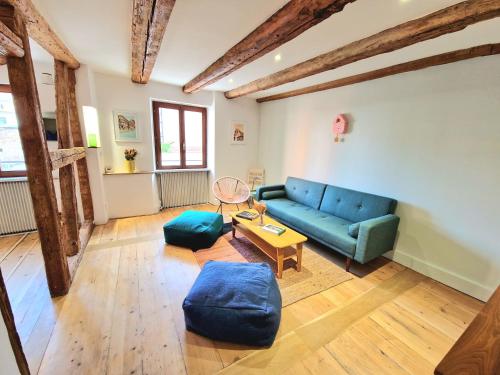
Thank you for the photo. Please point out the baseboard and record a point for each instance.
(463, 284)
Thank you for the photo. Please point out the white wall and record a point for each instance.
(430, 139)
(235, 160)
(119, 93)
(8, 364)
(46, 93)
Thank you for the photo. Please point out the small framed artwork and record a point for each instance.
(238, 135)
(126, 126)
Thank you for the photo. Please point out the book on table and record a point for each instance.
(247, 215)
(274, 229)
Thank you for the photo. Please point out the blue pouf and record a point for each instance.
(235, 302)
(194, 229)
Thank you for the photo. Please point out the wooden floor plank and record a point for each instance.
(415, 333)
(80, 340)
(319, 362)
(124, 313)
(324, 329)
(8, 243)
(347, 349)
(163, 354)
(17, 255)
(180, 270)
(388, 344)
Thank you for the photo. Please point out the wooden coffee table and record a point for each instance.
(278, 248)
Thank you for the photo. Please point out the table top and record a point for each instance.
(289, 238)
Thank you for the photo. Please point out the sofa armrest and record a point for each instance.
(376, 236)
(262, 189)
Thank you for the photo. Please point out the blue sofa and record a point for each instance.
(359, 225)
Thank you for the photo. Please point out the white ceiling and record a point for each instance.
(200, 31)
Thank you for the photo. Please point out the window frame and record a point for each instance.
(157, 105)
(6, 174)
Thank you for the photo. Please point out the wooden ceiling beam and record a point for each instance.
(10, 43)
(42, 33)
(445, 21)
(426, 62)
(149, 22)
(291, 20)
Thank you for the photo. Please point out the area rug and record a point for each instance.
(317, 275)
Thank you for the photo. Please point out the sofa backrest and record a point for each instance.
(305, 192)
(354, 205)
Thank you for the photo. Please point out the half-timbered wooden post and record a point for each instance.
(66, 173)
(81, 164)
(36, 153)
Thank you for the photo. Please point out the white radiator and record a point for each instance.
(182, 188)
(16, 208)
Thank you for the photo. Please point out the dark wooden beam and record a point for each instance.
(81, 164)
(444, 58)
(149, 22)
(66, 173)
(42, 33)
(10, 43)
(39, 169)
(477, 351)
(66, 156)
(445, 21)
(291, 20)
(15, 341)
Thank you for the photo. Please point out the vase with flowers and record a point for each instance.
(261, 209)
(130, 154)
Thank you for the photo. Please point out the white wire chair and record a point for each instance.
(230, 190)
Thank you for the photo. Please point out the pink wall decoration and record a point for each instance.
(340, 126)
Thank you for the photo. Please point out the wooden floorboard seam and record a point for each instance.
(13, 247)
(316, 334)
(124, 242)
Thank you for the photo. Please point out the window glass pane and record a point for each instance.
(169, 137)
(193, 132)
(11, 151)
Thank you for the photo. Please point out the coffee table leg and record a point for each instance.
(299, 257)
(233, 227)
(279, 262)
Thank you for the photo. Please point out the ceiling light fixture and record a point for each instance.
(277, 57)
(231, 80)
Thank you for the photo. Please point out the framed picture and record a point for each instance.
(126, 126)
(238, 135)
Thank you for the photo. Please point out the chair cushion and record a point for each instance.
(355, 206)
(274, 194)
(305, 192)
(194, 229)
(328, 229)
(234, 302)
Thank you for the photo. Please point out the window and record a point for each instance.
(11, 151)
(180, 136)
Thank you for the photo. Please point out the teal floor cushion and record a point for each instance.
(194, 229)
(234, 302)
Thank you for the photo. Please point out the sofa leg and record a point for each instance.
(347, 263)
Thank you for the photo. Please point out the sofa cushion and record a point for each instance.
(322, 226)
(235, 302)
(274, 194)
(308, 193)
(355, 206)
(194, 229)
(353, 230)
